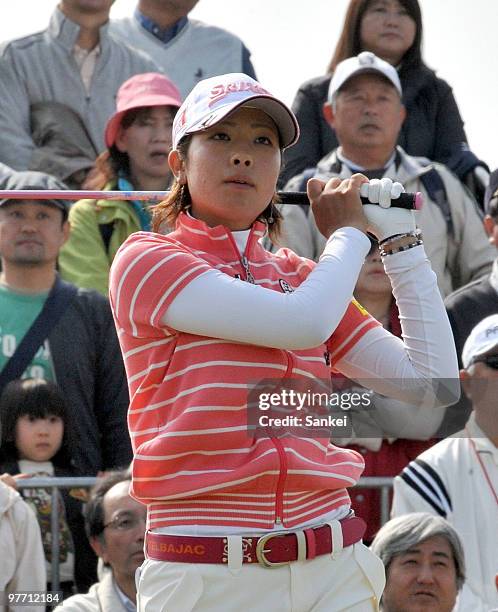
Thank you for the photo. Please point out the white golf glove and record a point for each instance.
(383, 220)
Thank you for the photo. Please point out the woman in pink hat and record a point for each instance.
(258, 517)
(138, 139)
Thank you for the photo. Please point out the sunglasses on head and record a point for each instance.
(490, 360)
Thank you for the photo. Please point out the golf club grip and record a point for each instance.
(410, 201)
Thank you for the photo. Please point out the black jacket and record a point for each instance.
(433, 127)
(469, 305)
(89, 369)
(466, 307)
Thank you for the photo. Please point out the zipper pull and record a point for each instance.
(249, 276)
(326, 356)
(278, 520)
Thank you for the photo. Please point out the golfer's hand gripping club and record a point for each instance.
(384, 218)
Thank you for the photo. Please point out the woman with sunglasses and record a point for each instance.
(237, 520)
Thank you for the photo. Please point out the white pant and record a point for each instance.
(352, 581)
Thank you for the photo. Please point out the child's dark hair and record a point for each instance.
(38, 399)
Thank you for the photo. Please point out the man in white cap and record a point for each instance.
(458, 478)
(366, 111)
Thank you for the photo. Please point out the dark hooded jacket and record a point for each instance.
(433, 127)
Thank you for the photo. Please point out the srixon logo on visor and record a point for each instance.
(218, 92)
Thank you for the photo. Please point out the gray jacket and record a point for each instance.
(456, 259)
(198, 51)
(41, 68)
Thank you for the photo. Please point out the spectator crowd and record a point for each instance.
(89, 104)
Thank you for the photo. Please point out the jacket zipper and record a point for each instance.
(245, 265)
(243, 258)
(279, 501)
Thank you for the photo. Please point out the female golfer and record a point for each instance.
(235, 521)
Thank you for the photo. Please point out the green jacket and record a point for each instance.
(84, 260)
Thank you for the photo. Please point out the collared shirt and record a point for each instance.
(125, 600)
(86, 61)
(162, 34)
(369, 173)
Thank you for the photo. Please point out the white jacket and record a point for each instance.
(22, 561)
(102, 597)
(448, 480)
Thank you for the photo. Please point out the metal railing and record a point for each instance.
(54, 483)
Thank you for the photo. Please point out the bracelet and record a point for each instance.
(402, 248)
(417, 234)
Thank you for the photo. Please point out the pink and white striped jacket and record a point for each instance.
(194, 460)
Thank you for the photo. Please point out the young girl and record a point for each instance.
(237, 521)
(35, 442)
(138, 139)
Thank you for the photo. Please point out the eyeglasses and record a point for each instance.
(490, 360)
(125, 522)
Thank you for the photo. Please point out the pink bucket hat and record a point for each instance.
(211, 100)
(147, 89)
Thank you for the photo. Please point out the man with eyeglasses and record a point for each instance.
(458, 478)
(115, 525)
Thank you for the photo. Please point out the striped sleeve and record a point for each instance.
(354, 325)
(147, 274)
(423, 479)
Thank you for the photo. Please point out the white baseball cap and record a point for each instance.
(211, 100)
(360, 64)
(483, 340)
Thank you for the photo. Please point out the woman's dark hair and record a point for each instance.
(120, 162)
(39, 399)
(165, 213)
(112, 161)
(349, 43)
